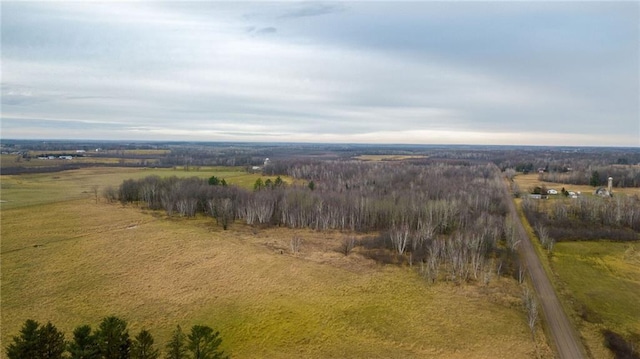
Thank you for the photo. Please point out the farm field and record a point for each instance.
(531, 180)
(77, 261)
(33, 189)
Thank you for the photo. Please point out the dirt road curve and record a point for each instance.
(564, 336)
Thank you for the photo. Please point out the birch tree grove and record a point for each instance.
(449, 217)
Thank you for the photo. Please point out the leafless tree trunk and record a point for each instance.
(531, 307)
(296, 243)
(522, 271)
(400, 237)
(94, 190)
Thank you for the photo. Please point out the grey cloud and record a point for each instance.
(266, 30)
(262, 31)
(312, 9)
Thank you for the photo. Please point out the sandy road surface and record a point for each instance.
(565, 338)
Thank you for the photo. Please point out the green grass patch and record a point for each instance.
(604, 279)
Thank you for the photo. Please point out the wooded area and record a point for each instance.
(448, 218)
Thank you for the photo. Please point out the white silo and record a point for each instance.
(610, 185)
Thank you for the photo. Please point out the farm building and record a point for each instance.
(605, 192)
(602, 192)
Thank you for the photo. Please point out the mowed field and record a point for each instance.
(73, 261)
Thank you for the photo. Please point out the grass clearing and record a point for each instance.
(75, 261)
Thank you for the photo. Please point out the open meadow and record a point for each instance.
(70, 260)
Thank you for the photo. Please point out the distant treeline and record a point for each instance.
(111, 340)
(439, 214)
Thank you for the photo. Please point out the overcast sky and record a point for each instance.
(536, 73)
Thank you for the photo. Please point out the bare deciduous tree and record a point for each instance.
(531, 308)
(347, 245)
(295, 244)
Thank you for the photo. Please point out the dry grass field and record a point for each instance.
(74, 261)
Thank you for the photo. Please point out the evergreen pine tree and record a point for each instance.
(595, 179)
(26, 345)
(84, 344)
(203, 343)
(51, 342)
(142, 346)
(113, 339)
(177, 348)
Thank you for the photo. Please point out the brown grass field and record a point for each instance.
(73, 261)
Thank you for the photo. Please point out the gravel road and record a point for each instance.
(564, 337)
